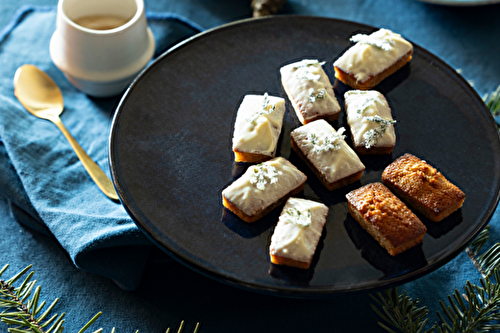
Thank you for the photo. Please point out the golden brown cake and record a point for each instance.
(297, 233)
(372, 59)
(385, 217)
(423, 187)
(327, 154)
(257, 128)
(370, 120)
(310, 91)
(262, 188)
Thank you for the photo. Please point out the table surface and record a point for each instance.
(464, 37)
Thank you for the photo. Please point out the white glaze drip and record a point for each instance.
(364, 106)
(250, 199)
(309, 89)
(333, 164)
(258, 124)
(294, 241)
(373, 54)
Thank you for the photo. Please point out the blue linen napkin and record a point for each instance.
(48, 188)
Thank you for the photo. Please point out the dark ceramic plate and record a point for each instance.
(170, 156)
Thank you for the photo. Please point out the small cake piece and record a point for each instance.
(423, 187)
(257, 128)
(310, 91)
(373, 58)
(385, 217)
(297, 233)
(327, 154)
(370, 119)
(262, 188)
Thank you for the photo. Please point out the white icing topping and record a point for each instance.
(298, 241)
(251, 198)
(264, 174)
(258, 124)
(369, 117)
(373, 54)
(309, 89)
(333, 164)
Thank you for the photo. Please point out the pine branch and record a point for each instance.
(25, 313)
(400, 312)
(477, 310)
(493, 103)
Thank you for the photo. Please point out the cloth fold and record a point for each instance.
(48, 188)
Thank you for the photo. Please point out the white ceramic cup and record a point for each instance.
(101, 60)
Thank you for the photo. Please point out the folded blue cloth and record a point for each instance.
(48, 187)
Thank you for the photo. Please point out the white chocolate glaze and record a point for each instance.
(278, 178)
(309, 90)
(258, 124)
(294, 240)
(365, 59)
(333, 164)
(362, 106)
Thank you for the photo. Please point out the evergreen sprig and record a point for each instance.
(27, 315)
(400, 311)
(477, 310)
(493, 101)
(30, 315)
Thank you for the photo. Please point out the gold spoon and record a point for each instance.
(40, 95)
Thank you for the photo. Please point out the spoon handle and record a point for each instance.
(99, 177)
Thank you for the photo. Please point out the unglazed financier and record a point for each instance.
(262, 188)
(423, 187)
(373, 58)
(385, 217)
(297, 233)
(310, 91)
(327, 154)
(257, 128)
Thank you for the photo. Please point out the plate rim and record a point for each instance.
(285, 291)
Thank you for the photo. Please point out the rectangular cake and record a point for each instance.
(385, 217)
(370, 120)
(327, 154)
(257, 128)
(297, 233)
(373, 58)
(310, 91)
(423, 187)
(262, 188)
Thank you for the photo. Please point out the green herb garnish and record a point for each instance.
(297, 217)
(374, 134)
(321, 145)
(264, 174)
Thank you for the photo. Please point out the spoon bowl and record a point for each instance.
(41, 96)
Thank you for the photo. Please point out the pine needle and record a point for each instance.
(21, 311)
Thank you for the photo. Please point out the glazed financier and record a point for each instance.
(309, 90)
(370, 120)
(297, 233)
(262, 188)
(373, 58)
(257, 128)
(327, 154)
